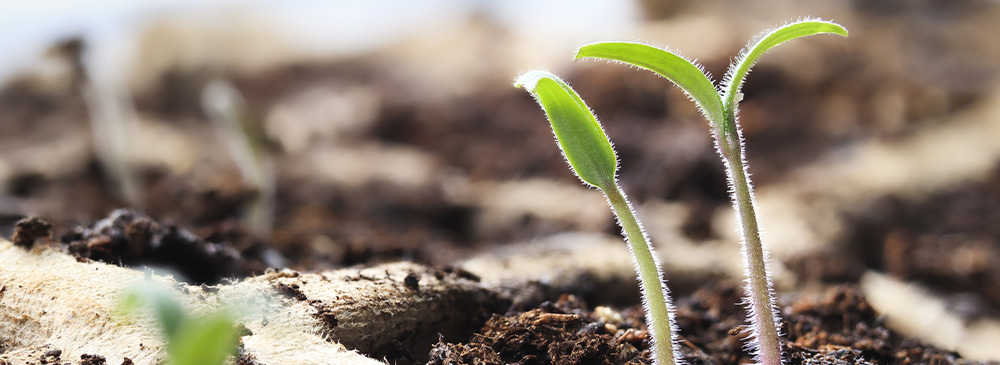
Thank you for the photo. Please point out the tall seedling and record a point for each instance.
(591, 157)
(720, 108)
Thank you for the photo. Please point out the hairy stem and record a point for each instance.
(659, 311)
(763, 318)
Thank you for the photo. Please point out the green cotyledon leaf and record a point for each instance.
(685, 74)
(760, 45)
(580, 135)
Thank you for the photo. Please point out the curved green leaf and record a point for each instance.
(757, 47)
(673, 67)
(580, 135)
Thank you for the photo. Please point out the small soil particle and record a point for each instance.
(458, 272)
(325, 314)
(87, 359)
(412, 281)
(29, 230)
(247, 359)
(329, 318)
(50, 357)
(290, 291)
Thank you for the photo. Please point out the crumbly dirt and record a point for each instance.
(132, 239)
(556, 333)
(27, 231)
(842, 323)
(838, 327)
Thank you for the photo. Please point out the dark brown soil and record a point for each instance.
(129, 238)
(837, 328)
(27, 231)
(86, 359)
(557, 333)
(51, 356)
(843, 324)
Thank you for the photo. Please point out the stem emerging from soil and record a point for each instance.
(591, 156)
(659, 312)
(758, 287)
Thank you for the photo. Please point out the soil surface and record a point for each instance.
(839, 327)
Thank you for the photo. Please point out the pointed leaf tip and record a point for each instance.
(579, 134)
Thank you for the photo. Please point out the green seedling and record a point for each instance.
(720, 108)
(590, 155)
(203, 340)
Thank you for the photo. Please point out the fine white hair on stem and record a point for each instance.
(753, 344)
(671, 310)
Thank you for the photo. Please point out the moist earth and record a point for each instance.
(838, 327)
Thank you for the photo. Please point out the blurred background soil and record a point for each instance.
(395, 134)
